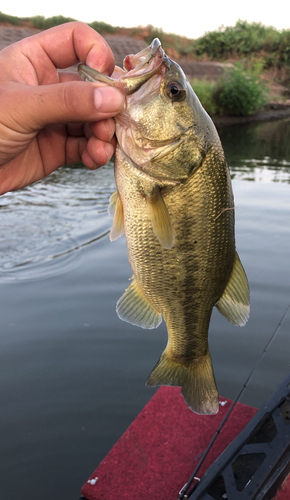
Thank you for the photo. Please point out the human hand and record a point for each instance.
(50, 118)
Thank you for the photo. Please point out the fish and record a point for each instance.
(175, 205)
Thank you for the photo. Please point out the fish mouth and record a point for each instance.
(146, 59)
(139, 69)
(142, 66)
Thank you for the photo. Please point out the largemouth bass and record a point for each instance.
(174, 202)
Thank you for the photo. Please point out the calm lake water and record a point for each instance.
(71, 373)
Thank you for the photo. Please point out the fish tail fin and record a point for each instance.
(196, 378)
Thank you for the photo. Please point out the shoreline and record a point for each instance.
(270, 113)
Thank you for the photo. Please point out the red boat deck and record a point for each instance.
(157, 454)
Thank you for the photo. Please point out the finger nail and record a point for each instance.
(109, 130)
(109, 151)
(108, 99)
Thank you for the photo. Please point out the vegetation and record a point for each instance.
(173, 44)
(43, 23)
(5, 18)
(244, 39)
(231, 42)
(102, 27)
(206, 92)
(239, 92)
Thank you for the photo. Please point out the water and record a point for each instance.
(71, 373)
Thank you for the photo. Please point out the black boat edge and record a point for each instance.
(256, 463)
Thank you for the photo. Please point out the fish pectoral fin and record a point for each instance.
(160, 219)
(195, 378)
(134, 308)
(112, 203)
(235, 301)
(117, 229)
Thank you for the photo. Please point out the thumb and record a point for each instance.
(71, 102)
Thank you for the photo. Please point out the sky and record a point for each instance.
(183, 17)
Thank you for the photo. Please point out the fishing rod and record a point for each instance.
(187, 489)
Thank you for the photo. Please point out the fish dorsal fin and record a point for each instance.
(117, 229)
(235, 301)
(112, 203)
(160, 219)
(134, 308)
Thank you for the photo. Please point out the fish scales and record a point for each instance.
(174, 202)
(183, 276)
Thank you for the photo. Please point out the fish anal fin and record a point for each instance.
(117, 229)
(235, 301)
(196, 380)
(160, 219)
(134, 308)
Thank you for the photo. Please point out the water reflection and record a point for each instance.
(44, 225)
(258, 152)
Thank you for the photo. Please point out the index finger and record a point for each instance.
(62, 47)
(70, 43)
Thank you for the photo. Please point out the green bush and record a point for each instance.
(240, 92)
(244, 39)
(283, 49)
(205, 91)
(241, 39)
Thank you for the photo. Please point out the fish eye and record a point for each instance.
(175, 91)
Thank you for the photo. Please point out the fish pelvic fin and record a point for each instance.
(160, 219)
(134, 308)
(196, 380)
(112, 203)
(235, 301)
(116, 205)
